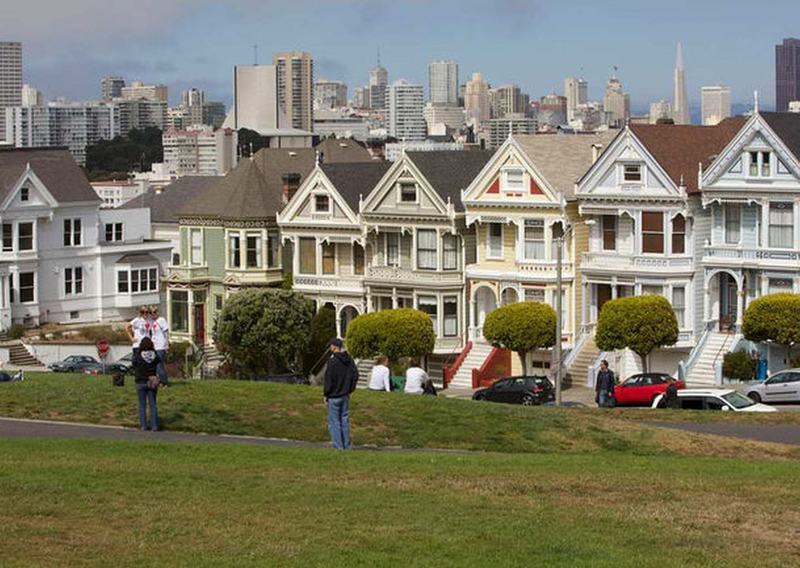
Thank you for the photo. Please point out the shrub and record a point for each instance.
(16, 331)
(739, 365)
(521, 327)
(323, 328)
(97, 332)
(774, 318)
(404, 332)
(640, 323)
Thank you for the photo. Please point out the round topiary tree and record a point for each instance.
(521, 327)
(404, 332)
(640, 323)
(264, 331)
(774, 318)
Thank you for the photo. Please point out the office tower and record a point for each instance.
(787, 73)
(140, 114)
(660, 111)
(330, 94)
(443, 82)
(255, 97)
(552, 110)
(616, 103)
(715, 104)
(295, 73)
(507, 99)
(199, 150)
(450, 117)
(193, 97)
(360, 97)
(10, 80)
(498, 129)
(405, 103)
(680, 102)
(111, 88)
(476, 99)
(214, 113)
(31, 96)
(138, 90)
(378, 80)
(577, 93)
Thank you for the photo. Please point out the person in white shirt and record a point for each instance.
(416, 378)
(138, 328)
(159, 332)
(379, 381)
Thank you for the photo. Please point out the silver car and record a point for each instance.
(783, 386)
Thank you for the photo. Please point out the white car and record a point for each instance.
(716, 399)
(783, 386)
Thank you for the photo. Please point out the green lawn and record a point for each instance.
(91, 503)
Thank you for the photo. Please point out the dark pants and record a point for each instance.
(145, 394)
(161, 369)
(339, 421)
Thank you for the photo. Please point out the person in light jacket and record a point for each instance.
(416, 377)
(379, 381)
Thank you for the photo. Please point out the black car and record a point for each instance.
(518, 390)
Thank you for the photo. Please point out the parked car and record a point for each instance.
(642, 389)
(123, 365)
(77, 364)
(518, 390)
(716, 399)
(783, 386)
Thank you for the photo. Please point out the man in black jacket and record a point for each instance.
(341, 378)
(604, 385)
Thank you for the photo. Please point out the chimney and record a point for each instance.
(596, 148)
(291, 182)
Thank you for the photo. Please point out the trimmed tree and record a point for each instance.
(404, 332)
(264, 331)
(640, 323)
(774, 318)
(521, 327)
(323, 327)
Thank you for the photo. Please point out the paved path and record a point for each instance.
(778, 433)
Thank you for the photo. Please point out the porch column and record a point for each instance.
(613, 287)
(740, 299)
(338, 321)
(763, 237)
(473, 318)
(585, 299)
(394, 298)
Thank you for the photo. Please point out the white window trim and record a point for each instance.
(642, 170)
(321, 257)
(114, 232)
(665, 228)
(327, 211)
(73, 294)
(504, 187)
(18, 289)
(34, 241)
(129, 270)
(522, 256)
(489, 255)
(386, 249)
(439, 249)
(202, 248)
(444, 299)
(725, 225)
(261, 254)
(72, 232)
(400, 183)
(228, 236)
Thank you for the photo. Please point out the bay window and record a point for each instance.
(679, 235)
(450, 316)
(653, 232)
(494, 240)
(534, 239)
(426, 249)
(449, 252)
(307, 250)
(781, 233)
(253, 251)
(733, 223)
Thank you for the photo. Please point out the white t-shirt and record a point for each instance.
(141, 329)
(380, 378)
(159, 331)
(415, 378)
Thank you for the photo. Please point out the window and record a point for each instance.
(27, 287)
(24, 193)
(137, 280)
(253, 251)
(679, 304)
(652, 232)
(495, 240)
(176, 259)
(328, 258)
(308, 256)
(760, 164)
(679, 235)
(153, 278)
(235, 250)
(25, 236)
(534, 295)
(753, 164)
(74, 315)
(557, 232)
(122, 281)
(358, 259)
(609, 228)
(73, 281)
(534, 239)
(322, 204)
(426, 249)
(113, 232)
(72, 232)
(514, 180)
(179, 306)
(765, 164)
(218, 301)
(733, 223)
(632, 173)
(449, 252)
(429, 305)
(780, 285)
(8, 237)
(408, 193)
(196, 241)
(780, 225)
(450, 316)
(392, 249)
(273, 249)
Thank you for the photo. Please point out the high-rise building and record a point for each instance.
(577, 93)
(680, 102)
(552, 110)
(111, 88)
(451, 117)
(330, 94)
(715, 104)
(378, 81)
(616, 103)
(199, 150)
(787, 73)
(31, 96)
(141, 113)
(138, 90)
(255, 97)
(660, 111)
(476, 99)
(193, 97)
(295, 72)
(507, 99)
(498, 129)
(443, 82)
(360, 97)
(10, 80)
(405, 103)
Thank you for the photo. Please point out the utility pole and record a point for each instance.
(559, 323)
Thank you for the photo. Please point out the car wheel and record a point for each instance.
(480, 397)
(528, 400)
(755, 396)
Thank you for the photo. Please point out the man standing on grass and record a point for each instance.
(604, 386)
(341, 378)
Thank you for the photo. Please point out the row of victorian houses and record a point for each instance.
(702, 215)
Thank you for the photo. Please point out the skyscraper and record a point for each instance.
(295, 70)
(715, 104)
(111, 88)
(255, 98)
(660, 111)
(476, 99)
(507, 99)
(680, 103)
(577, 93)
(616, 103)
(787, 73)
(405, 118)
(378, 80)
(10, 80)
(443, 82)
(330, 94)
(31, 96)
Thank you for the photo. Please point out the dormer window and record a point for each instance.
(760, 164)
(408, 192)
(24, 193)
(514, 180)
(322, 204)
(632, 173)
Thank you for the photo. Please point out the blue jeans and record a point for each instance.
(339, 422)
(145, 394)
(161, 369)
(604, 400)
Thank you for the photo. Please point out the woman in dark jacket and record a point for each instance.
(145, 365)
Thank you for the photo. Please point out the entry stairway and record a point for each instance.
(20, 357)
(580, 365)
(702, 373)
(475, 358)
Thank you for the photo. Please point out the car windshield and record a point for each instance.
(737, 400)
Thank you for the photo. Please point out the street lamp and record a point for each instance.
(559, 324)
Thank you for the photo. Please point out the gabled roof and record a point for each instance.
(563, 159)
(355, 180)
(679, 148)
(164, 204)
(449, 172)
(55, 167)
(787, 126)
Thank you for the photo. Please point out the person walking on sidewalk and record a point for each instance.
(159, 330)
(341, 378)
(604, 386)
(145, 364)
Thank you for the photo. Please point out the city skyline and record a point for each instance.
(176, 49)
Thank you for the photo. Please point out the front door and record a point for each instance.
(728, 299)
(603, 296)
(199, 324)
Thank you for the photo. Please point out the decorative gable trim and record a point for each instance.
(495, 187)
(404, 168)
(535, 189)
(309, 188)
(29, 176)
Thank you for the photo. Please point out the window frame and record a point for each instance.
(432, 233)
(179, 324)
(662, 233)
(327, 251)
(452, 239)
(115, 237)
(679, 309)
(505, 185)
(489, 237)
(73, 281)
(25, 193)
(193, 261)
(790, 225)
(327, 198)
(425, 300)
(678, 234)
(234, 252)
(32, 236)
(31, 288)
(539, 225)
(726, 219)
(606, 231)
(73, 232)
(452, 318)
(401, 185)
(396, 261)
(310, 244)
(257, 250)
(8, 239)
(639, 174)
(359, 259)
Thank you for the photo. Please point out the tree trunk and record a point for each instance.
(645, 361)
(523, 357)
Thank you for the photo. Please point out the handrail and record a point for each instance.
(449, 371)
(721, 349)
(493, 360)
(695, 354)
(317, 366)
(576, 349)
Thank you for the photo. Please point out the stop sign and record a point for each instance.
(102, 348)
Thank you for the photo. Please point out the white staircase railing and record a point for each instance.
(575, 351)
(685, 368)
(591, 370)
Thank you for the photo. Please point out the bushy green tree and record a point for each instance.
(264, 331)
(739, 365)
(521, 327)
(323, 328)
(404, 332)
(640, 323)
(114, 159)
(774, 318)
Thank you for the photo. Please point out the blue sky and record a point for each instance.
(70, 46)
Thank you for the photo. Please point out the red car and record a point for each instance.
(640, 390)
